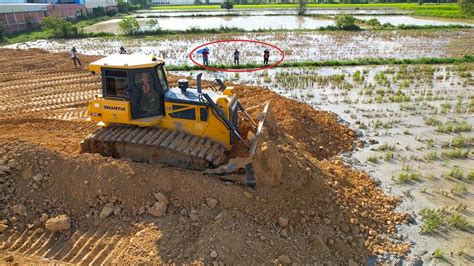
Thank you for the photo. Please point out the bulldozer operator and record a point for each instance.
(149, 97)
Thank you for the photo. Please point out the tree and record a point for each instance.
(152, 24)
(123, 7)
(346, 22)
(1, 29)
(302, 7)
(59, 27)
(129, 25)
(467, 7)
(227, 5)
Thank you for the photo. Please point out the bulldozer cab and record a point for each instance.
(143, 84)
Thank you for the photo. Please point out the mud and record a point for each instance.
(335, 214)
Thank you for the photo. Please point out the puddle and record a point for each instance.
(267, 12)
(408, 20)
(244, 22)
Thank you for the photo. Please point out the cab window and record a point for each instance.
(183, 112)
(116, 83)
(162, 77)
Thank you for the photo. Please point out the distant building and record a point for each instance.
(183, 2)
(107, 4)
(22, 16)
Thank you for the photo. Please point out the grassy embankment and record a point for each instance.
(432, 10)
(357, 62)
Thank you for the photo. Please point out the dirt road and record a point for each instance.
(317, 210)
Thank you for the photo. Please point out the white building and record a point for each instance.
(100, 3)
(183, 2)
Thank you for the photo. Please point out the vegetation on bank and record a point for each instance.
(355, 62)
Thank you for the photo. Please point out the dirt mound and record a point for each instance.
(317, 211)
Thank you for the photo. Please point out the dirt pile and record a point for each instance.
(321, 211)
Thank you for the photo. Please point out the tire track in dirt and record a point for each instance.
(94, 246)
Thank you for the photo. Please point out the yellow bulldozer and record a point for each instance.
(144, 119)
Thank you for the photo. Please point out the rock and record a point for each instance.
(160, 197)
(158, 209)
(3, 228)
(13, 219)
(106, 212)
(318, 244)
(27, 173)
(8, 258)
(193, 216)
(247, 194)
(44, 217)
(141, 210)
(352, 263)
(284, 259)
(283, 222)
(13, 163)
(58, 223)
(38, 178)
(19, 209)
(211, 202)
(214, 254)
(326, 221)
(284, 233)
(117, 211)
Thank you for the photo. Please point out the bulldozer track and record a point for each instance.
(155, 145)
(92, 246)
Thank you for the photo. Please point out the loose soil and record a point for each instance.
(320, 210)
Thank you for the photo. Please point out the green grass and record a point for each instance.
(456, 172)
(432, 220)
(404, 178)
(455, 154)
(459, 221)
(433, 10)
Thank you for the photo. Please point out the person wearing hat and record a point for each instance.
(74, 57)
(205, 56)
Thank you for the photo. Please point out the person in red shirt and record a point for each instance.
(266, 56)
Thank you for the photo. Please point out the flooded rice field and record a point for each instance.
(416, 133)
(258, 22)
(418, 21)
(268, 12)
(247, 23)
(298, 46)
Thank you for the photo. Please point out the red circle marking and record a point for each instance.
(237, 70)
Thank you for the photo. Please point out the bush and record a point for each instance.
(59, 27)
(1, 29)
(346, 22)
(227, 5)
(111, 13)
(123, 7)
(467, 7)
(98, 11)
(374, 22)
(129, 26)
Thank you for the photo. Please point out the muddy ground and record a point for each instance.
(297, 46)
(416, 140)
(317, 210)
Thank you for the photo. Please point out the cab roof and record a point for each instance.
(125, 61)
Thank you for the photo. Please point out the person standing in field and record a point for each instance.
(74, 57)
(236, 57)
(205, 57)
(266, 56)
